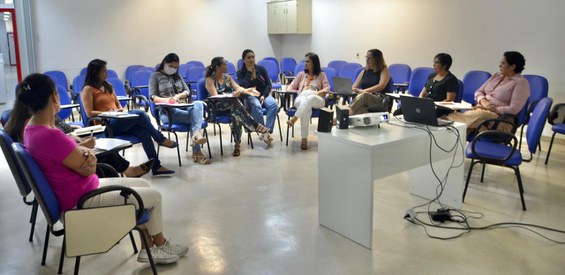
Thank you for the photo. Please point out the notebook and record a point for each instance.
(342, 85)
(421, 110)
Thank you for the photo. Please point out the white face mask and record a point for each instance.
(170, 70)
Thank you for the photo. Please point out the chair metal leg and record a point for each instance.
(549, 150)
(521, 133)
(250, 139)
(208, 144)
(32, 219)
(221, 144)
(178, 147)
(468, 178)
(287, 130)
(147, 249)
(280, 130)
(77, 264)
(45, 245)
(62, 257)
(133, 242)
(520, 186)
(483, 172)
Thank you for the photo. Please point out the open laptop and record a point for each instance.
(342, 85)
(421, 110)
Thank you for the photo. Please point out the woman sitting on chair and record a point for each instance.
(20, 116)
(371, 85)
(255, 76)
(220, 83)
(312, 85)
(69, 168)
(98, 96)
(502, 96)
(167, 86)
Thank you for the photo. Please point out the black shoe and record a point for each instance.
(164, 172)
(173, 145)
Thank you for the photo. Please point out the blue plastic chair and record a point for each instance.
(23, 186)
(272, 70)
(119, 89)
(140, 81)
(472, 81)
(299, 68)
(287, 66)
(504, 152)
(330, 73)
(5, 117)
(348, 70)
(195, 63)
(83, 71)
(239, 64)
(58, 77)
(172, 127)
(557, 120)
(183, 69)
(112, 74)
(50, 206)
(357, 73)
(336, 64)
(78, 84)
(193, 75)
(418, 80)
(400, 72)
(64, 99)
(231, 69)
(460, 89)
(130, 70)
(274, 59)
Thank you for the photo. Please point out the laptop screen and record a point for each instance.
(419, 110)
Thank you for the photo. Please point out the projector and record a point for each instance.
(368, 119)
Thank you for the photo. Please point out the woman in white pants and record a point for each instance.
(312, 85)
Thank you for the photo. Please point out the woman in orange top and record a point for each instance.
(98, 96)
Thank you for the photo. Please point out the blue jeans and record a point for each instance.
(141, 128)
(192, 115)
(253, 106)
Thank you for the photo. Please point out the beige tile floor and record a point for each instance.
(257, 214)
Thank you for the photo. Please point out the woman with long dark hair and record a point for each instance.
(98, 96)
(167, 86)
(312, 85)
(220, 83)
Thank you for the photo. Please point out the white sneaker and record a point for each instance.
(174, 249)
(160, 256)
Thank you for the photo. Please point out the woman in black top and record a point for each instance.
(441, 85)
(371, 84)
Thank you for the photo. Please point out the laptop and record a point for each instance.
(421, 110)
(342, 85)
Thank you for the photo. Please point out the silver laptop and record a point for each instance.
(342, 85)
(421, 110)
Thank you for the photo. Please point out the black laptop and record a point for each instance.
(421, 110)
(342, 85)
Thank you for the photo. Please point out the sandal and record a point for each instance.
(236, 149)
(172, 144)
(198, 139)
(261, 129)
(304, 145)
(200, 159)
(266, 138)
(291, 121)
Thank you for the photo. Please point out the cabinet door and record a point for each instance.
(291, 17)
(272, 14)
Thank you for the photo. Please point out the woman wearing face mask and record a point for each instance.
(220, 83)
(167, 86)
(255, 76)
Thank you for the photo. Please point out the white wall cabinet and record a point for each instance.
(287, 17)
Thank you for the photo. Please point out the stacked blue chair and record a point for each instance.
(472, 81)
(287, 66)
(501, 148)
(336, 64)
(557, 120)
(23, 186)
(418, 80)
(59, 78)
(348, 70)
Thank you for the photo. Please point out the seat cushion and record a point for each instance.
(494, 150)
(144, 218)
(559, 128)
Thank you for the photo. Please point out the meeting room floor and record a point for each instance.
(258, 214)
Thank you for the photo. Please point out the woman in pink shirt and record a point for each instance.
(502, 96)
(70, 168)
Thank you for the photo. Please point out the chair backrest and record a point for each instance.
(271, 68)
(299, 68)
(58, 77)
(287, 66)
(6, 145)
(64, 99)
(400, 72)
(539, 88)
(195, 63)
(201, 92)
(231, 68)
(119, 88)
(78, 83)
(418, 80)
(83, 115)
(141, 78)
(239, 64)
(348, 70)
(336, 64)
(38, 183)
(183, 69)
(472, 81)
(112, 74)
(357, 73)
(274, 59)
(5, 117)
(83, 71)
(193, 75)
(537, 122)
(330, 73)
(130, 70)
(460, 89)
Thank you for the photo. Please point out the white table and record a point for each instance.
(349, 161)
